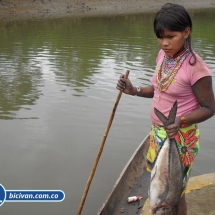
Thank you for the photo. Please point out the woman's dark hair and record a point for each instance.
(174, 17)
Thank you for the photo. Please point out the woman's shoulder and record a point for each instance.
(197, 68)
(161, 53)
(197, 63)
(197, 60)
(160, 56)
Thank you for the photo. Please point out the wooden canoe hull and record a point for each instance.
(133, 181)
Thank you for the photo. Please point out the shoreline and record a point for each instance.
(42, 9)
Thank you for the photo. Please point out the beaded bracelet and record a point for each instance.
(183, 120)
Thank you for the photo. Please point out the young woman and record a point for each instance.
(180, 75)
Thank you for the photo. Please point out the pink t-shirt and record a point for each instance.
(180, 88)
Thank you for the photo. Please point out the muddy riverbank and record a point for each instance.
(38, 9)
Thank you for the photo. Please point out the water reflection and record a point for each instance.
(69, 52)
(19, 80)
(86, 50)
(63, 72)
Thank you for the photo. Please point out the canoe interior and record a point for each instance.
(134, 180)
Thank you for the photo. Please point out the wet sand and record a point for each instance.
(37, 9)
(200, 195)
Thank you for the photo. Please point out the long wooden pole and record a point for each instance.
(100, 150)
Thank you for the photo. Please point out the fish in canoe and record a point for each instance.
(134, 180)
(167, 175)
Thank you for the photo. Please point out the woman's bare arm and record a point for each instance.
(127, 87)
(203, 92)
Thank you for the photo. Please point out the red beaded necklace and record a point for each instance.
(169, 69)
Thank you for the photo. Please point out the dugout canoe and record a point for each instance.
(133, 181)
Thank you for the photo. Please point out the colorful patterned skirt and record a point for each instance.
(187, 141)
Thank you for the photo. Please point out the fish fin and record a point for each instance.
(172, 113)
(161, 116)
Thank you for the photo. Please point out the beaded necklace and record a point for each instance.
(169, 69)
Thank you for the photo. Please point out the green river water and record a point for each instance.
(57, 91)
